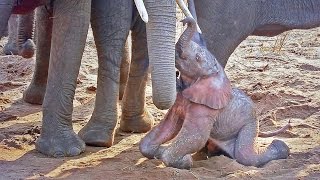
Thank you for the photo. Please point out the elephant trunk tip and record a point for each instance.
(191, 22)
(187, 35)
(166, 102)
(164, 105)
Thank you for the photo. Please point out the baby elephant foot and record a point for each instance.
(97, 134)
(27, 50)
(139, 123)
(282, 150)
(60, 143)
(34, 94)
(184, 162)
(10, 49)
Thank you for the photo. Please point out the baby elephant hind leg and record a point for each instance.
(248, 153)
(192, 137)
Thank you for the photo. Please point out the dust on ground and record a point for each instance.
(281, 74)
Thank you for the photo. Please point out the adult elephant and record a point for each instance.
(62, 39)
(149, 42)
(67, 41)
(60, 42)
(8, 7)
(226, 23)
(20, 30)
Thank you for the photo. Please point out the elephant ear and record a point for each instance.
(213, 91)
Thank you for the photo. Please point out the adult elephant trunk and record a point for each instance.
(161, 43)
(6, 7)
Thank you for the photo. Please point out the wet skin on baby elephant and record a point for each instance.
(207, 111)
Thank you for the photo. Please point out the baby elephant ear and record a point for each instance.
(213, 91)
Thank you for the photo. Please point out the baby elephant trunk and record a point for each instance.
(186, 37)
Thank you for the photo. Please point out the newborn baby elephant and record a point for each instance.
(207, 111)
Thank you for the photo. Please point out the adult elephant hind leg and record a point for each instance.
(25, 35)
(11, 47)
(247, 152)
(35, 92)
(69, 32)
(111, 21)
(135, 116)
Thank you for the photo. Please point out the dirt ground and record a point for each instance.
(281, 74)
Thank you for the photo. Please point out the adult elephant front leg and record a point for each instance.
(125, 67)
(135, 116)
(111, 21)
(35, 92)
(70, 27)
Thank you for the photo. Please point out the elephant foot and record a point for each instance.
(34, 94)
(138, 124)
(282, 150)
(184, 162)
(60, 143)
(10, 49)
(97, 134)
(27, 50)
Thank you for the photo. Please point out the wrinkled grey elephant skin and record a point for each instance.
(8, 7)
(60, 43)
(226, 23)
(20, 29)
(99, 131)
(207, 112)
(61, 34)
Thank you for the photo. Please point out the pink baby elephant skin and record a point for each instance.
(207, 113)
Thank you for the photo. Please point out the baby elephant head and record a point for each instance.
(192, 59)
(204, 79)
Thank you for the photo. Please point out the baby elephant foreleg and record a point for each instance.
(192, 137)
(247, 153)
(167, 129)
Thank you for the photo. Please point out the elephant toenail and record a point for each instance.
(58, 154)
(74, 151)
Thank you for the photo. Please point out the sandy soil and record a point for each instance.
(281, 74)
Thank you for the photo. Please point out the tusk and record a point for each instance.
(186, 12)
(142, 10)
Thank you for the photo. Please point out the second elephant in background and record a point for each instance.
(226, 23)
(20, 40)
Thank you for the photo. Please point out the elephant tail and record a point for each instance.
(276, 132)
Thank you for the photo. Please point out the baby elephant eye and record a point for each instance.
(198, 59)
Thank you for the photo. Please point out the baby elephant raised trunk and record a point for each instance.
(187, 35)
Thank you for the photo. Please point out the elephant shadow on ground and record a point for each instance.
(95, 162)
(19, 109)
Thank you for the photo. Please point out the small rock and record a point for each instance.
(257, 96)
(91, 88)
